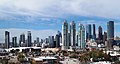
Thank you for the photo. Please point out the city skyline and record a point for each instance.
(59, 32)
(46, 19)
(69, 36)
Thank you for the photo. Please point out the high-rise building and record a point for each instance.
(29, 39)
(41, 42)
(46, 40)
(110, 33)
(69, 39)
(100, 35)
(14, 42)
(37, 39)
(57, 39)
(77, 39)
(7, 39)
(105, 37)
(94, 32)
(51, 41)
(65, 43)
(22, 40)
(88, 32)
(81, 36)
(73, 34)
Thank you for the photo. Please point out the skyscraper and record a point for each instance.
(37, 39)
(73, 34)
(94, 32)
(81, 36)
(100, 35)
(88, 32)
(65, 43)
(57, 39)
(41, 42)
(22, 40)
(105, 37)
(77, 39)
(29, 39)
(7, 39)
(51, 41)
(14, 42)
(69, 39)
(46, 40)
(110, 33)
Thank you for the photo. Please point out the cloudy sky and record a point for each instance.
(45, 17)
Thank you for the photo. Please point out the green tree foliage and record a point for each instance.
(20, 57)
(73, 55)
(84, 57)
(96, 55)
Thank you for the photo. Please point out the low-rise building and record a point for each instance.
(45, 60)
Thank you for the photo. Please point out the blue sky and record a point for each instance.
(47, 16)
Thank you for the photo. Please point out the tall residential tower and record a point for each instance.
(22, 40)
(110, 33)
(94, 32)
(81, 36)
(65, 35)
(7, 39)
(29, 39)
(73, 34)
(14, 42)
(88, 32)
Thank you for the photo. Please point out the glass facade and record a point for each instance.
(72, 34)
(65, 35)
(7, 39)
(81, 36)
(88, 32)
(110, 33)
(29, 40)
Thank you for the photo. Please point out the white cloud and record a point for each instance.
(35, 33)
(48, 9)
(61, 8)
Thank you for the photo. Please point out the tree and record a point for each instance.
(84, 57)
(64, 52)
(73, 55)
(4, 61)
(107, 57)
(12, 51)
(20, 57)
